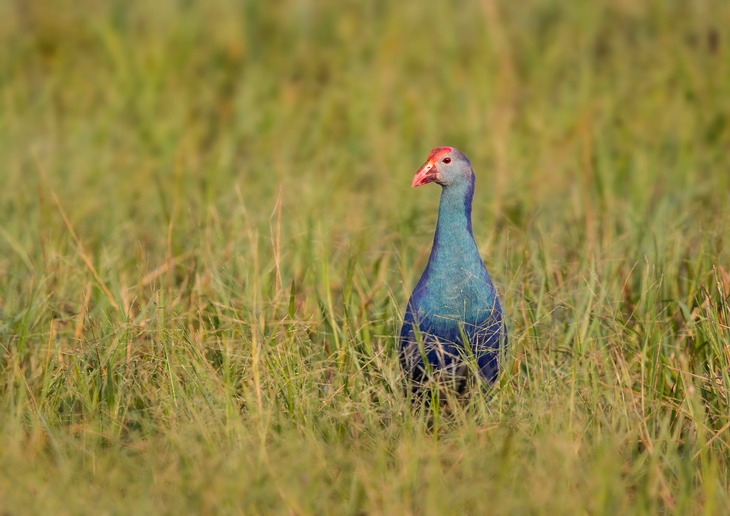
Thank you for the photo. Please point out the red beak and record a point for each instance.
(426, 174)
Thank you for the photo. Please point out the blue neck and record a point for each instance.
(455, 208)
(453, 242)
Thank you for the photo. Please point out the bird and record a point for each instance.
(454, 312)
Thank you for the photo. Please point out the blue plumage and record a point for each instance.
(453, 312)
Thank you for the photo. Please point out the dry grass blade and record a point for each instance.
(83, 254)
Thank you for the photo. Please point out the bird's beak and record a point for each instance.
(426, 174)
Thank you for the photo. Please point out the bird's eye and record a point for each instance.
(447, 160)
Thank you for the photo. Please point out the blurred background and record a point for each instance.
(139, 109)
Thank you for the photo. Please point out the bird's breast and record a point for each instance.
(459, 297)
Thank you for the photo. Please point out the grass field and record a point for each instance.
(208, 236)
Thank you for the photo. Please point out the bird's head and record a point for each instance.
(445, 166)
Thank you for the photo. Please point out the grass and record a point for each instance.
(207, 238)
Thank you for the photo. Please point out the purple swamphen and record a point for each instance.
(453, 313)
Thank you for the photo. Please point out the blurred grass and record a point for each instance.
(207, 236)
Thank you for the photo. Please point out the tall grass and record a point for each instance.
(207, 237)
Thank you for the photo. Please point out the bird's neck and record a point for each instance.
(455, 210)
(454, 241)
